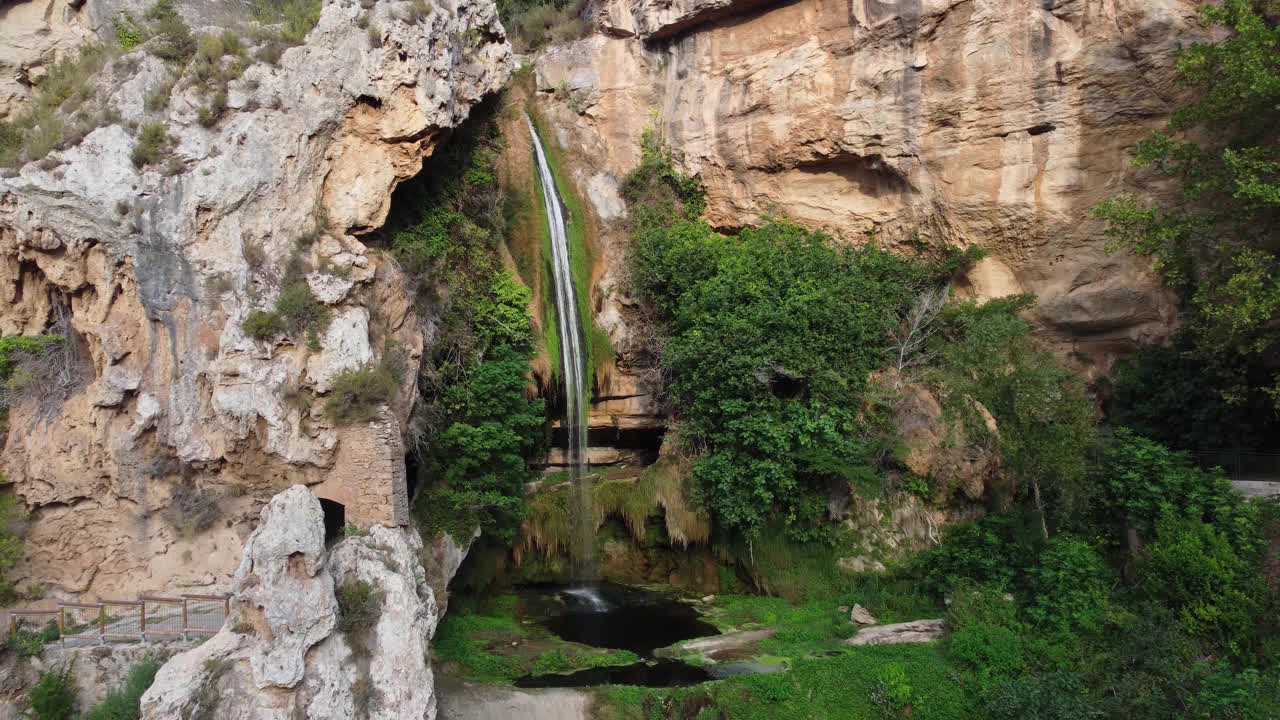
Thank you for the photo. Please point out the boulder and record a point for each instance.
(916, 631)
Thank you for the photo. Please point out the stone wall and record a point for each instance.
(368, 475)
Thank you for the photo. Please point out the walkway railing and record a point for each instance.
(147, 619)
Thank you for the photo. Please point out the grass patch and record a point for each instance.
(871, 683)
(489, 643)
(123, 703)
(356, 395)
(294, 18)
(63, 109)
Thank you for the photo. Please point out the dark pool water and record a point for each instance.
(621, 618)
(626, 619)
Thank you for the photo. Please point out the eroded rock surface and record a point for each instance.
(972, 122)
(152, 270)
(279, 656)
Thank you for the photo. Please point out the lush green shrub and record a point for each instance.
(1177, 397)
(1142, 480)
(1229, 694)
(30, 643)
(123, 702)
(773, 334)
(1057, 695)
(1192, 568)
(53, 697)
(992, 551)
(152, 145)
(480, 458)
(1070, 587)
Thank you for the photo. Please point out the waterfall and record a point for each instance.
(573, 363)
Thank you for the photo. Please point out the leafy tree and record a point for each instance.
(1214, 240)
(1045, 420)
(1176, 396)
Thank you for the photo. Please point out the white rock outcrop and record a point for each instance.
(279, 656)
(154, 269)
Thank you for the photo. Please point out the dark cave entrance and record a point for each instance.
(412, 478)
(335, 519)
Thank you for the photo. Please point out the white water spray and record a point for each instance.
(573, 365)
(590, 597)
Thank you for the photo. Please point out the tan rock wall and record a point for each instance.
(994, 123)
(179, 406)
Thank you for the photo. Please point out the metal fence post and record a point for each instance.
(102, 624)
(184, 619)
(62, 626)
(142, 622)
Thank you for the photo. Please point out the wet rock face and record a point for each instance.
(280, 656)
(989, 123)
(155, 269)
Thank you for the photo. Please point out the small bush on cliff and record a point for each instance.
(359, 607)
(54, 696)
(300, 311)
(356, 395)
(124, 702)
(152, 145)
(294, 18)
(262, 325)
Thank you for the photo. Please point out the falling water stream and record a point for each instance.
(573, 366)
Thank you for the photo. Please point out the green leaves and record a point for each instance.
(1214, 242)
(773, 334)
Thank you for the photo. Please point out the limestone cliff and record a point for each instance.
(151, 271)
(281, 656)
(972, 122)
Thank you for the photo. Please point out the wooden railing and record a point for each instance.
(150, 617)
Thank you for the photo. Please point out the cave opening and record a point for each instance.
(335, 519)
